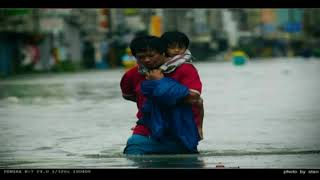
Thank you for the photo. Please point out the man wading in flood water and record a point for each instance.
(170, 109)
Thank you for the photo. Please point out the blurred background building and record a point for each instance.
(70, 39)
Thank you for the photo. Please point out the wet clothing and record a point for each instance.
(165, 115)
(141, 145)
(131, 81)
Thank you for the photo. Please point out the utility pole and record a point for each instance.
(35, 20)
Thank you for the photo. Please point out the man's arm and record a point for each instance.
(194, 99)
(191, 79)
(201, 119)
(127, 88)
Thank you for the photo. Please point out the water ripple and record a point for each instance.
(254, 153)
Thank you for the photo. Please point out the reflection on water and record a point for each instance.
(264, 114)
(31, 90)
(272, 151)
(167, 161)
(78, 91)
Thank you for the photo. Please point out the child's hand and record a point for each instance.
(154, 74)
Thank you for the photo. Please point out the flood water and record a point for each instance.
(265, 114)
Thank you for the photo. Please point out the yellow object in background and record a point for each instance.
(129, 64)
(156, 26)
(239, 53)
(128, 60)
(239, 57)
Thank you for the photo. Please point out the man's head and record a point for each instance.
(149, 51)
(176, 42)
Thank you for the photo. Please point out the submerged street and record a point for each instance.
(264, 114)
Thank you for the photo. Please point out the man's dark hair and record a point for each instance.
(147, 43)
(175, 38)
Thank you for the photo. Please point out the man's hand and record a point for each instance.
(154, 74)
(194, 99)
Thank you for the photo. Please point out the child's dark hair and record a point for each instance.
(147, 43)
(175, 38)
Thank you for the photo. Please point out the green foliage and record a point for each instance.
(15, 12)
(65, 66)
(316, 52)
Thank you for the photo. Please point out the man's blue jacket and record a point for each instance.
(163, 113)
